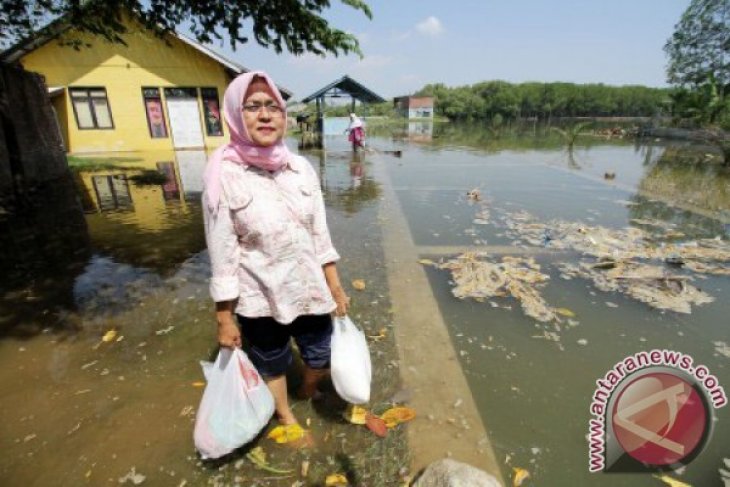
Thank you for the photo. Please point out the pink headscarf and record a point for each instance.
(241, 149)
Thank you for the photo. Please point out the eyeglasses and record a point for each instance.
(272, 108)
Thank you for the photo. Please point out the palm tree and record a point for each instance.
(571, 133)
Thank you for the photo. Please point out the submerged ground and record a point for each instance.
(78, 410)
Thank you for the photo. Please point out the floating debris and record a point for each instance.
(397, 415)
(722, 348)
(109, 336)
(257, 456)
(650, 284)
(336, 480)
(358, 284)
(478, 278)
(565, 312)
(286, 433)
(623, 259)
(132, 476)
(520, 476)
(671, 481)
(376, 425)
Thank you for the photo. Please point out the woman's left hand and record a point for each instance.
(341, 299)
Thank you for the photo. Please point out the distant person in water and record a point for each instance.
(356, 131)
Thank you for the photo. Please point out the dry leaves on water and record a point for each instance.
(479, 278)
(651, 284)
(336, 480)
(671, 481)
(286, 433)
(379, 424)
(520, 475)
(109, 336)
(629, 260)
(257, 456)
(376, 425)
(397, 415)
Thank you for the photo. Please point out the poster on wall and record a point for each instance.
(213, 123)
(156, 117)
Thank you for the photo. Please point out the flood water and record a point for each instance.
(77, 410)
(534, 394)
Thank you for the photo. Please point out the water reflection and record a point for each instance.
(151, 222)
(418, 132)
(142, 222)
(344, 177)
(45, 245)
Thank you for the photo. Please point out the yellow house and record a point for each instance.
(152, 94)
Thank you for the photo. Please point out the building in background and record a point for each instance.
(152, 94)
(414, 106)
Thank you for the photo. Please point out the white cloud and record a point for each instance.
(430, 27)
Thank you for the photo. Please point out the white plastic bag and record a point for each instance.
(235, 407)
(350, 362)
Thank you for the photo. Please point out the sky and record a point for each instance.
(410, 43)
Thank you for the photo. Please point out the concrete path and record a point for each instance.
(449, 423)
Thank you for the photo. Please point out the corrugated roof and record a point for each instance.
(349, 86)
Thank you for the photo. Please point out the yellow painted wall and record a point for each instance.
(148, 203)
(146, 61)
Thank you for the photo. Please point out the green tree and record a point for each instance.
(700, 46)
(295, 25)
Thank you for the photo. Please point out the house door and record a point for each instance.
(184, 114)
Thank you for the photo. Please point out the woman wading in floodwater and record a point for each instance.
(356, 132)
(273, 263)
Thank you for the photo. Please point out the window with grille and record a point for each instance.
(91, 108)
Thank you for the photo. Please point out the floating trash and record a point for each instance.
(650, 284)
(630, 260)
(476, 277)
(722, 348)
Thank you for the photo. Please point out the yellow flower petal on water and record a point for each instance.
(109, 336)
(336, 480)
(671, 482)
(286, 433)
(358, 284)
(565, 312)
(355, 414)
(520, 476)
(397, 415)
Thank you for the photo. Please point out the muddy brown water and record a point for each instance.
(79, 412)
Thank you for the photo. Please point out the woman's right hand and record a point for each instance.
(228, 333)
